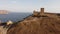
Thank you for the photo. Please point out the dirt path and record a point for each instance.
(3, 30)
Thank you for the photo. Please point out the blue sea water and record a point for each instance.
(13, 16)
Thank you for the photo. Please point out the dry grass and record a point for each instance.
(36, 25)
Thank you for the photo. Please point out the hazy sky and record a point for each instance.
(30, 5)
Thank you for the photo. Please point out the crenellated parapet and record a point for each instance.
(35, 13)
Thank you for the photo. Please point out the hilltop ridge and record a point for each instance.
(38, 23)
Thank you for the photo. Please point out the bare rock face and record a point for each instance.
(36, 25)
(3, 30)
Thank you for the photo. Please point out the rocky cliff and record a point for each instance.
(3, 12)
(36, 25)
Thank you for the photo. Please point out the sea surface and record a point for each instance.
(15, 17)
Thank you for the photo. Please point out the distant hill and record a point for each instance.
(3, 12)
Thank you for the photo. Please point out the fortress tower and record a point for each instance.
(42, 11)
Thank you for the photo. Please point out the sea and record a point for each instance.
(13, 16)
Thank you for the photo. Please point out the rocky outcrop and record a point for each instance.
(36, 25)
(3, 30)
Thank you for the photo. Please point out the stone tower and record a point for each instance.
(42, 11)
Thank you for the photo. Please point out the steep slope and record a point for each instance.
(36, 25)
(3, 30)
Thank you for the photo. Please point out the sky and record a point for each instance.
(30, 5)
